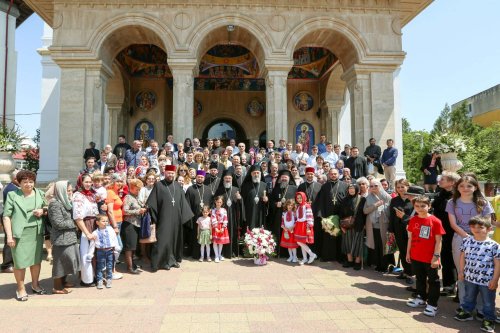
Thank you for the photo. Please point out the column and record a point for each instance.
(183, 97)
(49, 121)
(276, 75)
(333, 128)
(398, 137)
(8, 52)
(81, 117)
(114, 112)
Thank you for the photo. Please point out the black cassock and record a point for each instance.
(275, 213)
(234, 219)
(328, 203)
(312, 190)
(212, 183)
(169, 211)
(254, 214)
(195, 195)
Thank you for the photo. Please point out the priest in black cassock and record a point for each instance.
(169, 211)
(212, 180)
(254, 199)
(197, 195)
(329, 201)
(230, 193)
(311, 189)
(283, 190)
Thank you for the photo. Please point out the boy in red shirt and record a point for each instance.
(424, 247)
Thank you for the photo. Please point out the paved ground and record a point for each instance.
(233, 296)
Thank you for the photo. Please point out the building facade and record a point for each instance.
(276, 69)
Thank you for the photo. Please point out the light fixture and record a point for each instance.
(231, 27)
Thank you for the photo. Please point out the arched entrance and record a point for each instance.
(225, 129)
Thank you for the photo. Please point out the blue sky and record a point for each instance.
(452, 47)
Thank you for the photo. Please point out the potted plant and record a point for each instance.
(260, 243)
(449, 145)
(10, 142)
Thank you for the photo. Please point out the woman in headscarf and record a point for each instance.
(377, 222)
(65, 251)
(121, 166)
(84, 213)
(352, 239)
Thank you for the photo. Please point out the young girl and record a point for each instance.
(304, 227)
(205, 232)
(288, 224)
(220, 234)
(467, 202)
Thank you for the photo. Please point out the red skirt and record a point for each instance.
(301, 234)
(220, 237)
(289, 243)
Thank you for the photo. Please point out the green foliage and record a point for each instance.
(10, 139)
(442, 123)
(483, 154)
(415, 145)
(33, 154)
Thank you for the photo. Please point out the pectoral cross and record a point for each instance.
(334, 200)
(173, 201)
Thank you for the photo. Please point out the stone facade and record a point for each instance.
(95, 99)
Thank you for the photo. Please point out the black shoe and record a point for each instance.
(357, 266)
(348, 264)
(87, 285)
(413, 290)
(167, 268)
(401, 276)
(134, 271)
(176, 265)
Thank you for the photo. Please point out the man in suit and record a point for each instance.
(91, 152)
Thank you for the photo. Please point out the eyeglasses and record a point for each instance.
(182, 170)
(373, 186)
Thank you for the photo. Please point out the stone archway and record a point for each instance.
(227, 125)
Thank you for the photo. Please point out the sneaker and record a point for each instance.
(100, 285)
(200, 260)
(479, 316)
(488, 326)
(221, 258)
(209, 259)
(294, 259)
(216, 259)
(117, 276)
(109, 283)
(458, 310)
(302, 262)
(497, 319)
(289, 259)
(430, 310)
(415, 302)
(463, 316)
(311, 258)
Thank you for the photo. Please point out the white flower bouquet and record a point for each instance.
(260, 243)
(448, 143)
(10, 139)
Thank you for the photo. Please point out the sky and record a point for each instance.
(453, 52)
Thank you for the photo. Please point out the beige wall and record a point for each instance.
(295, 116)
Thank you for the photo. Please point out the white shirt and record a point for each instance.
(311, 161)
(296, 157)
(331, 158)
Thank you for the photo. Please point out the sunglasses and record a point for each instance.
(373, 186)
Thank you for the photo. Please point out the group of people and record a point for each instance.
(198, 196)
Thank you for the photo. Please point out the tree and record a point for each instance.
(33, 154)
(442, 123)
(415, 145)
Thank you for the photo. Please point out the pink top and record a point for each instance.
(204, 222)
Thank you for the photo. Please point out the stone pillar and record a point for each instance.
(373, 109)
(8, 91)
(81, 119)
(114, 112)
(276, 75)
(333, 121)
(183, 71)
(49, 122)
(398, 137)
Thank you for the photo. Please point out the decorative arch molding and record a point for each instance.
(159, 33)
(236, 125)
(227, 116)
(347, 43)
(199, 43)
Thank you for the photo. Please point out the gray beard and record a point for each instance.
(255, 179)
(227, 185)
(283, 185)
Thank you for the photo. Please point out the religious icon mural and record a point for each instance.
(197, 108)
(311, 63)
(144, 131)
(304, 134)
(144, 60)
(255, 108)
(145, 100)
(303, 101)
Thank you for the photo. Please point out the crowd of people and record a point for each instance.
(192, 199)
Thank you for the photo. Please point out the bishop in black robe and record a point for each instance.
(169, 211)
(231, 199)
(197, 195)
(254, 199)
(329, 200)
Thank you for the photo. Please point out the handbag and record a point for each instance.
(371, 169)
(145, 226)
(152, 237)
(348, 222)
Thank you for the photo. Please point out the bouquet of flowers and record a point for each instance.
(10, 139)
(260, 243)
(331, 225)
(390, 244)
(448, 143)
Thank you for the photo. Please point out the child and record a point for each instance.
(100, 190)
(424, 247)
(304, 224)
(104, 244)
(205, 232)
(288, 224)
(220, 234)
(480, 270)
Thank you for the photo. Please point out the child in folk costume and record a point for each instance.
(220, 234)
(288, 225)
(304, 227)
(204, 223)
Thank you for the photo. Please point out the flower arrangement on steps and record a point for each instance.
(260, 243)
(449, 145)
